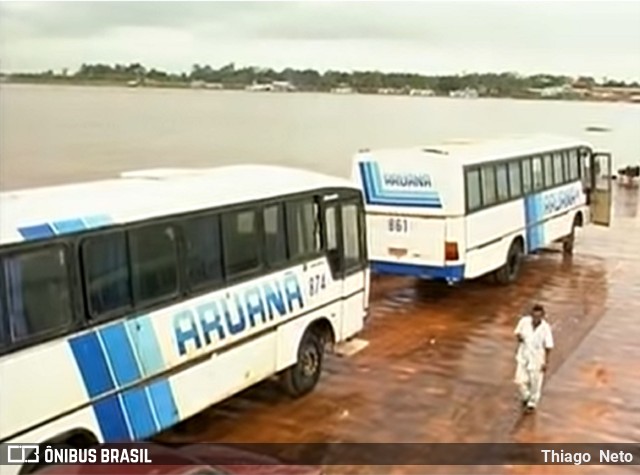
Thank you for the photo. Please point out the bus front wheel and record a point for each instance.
(303, 376)
(510, 271)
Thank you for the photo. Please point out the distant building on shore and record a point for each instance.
(422, 92)
(283, 86)
(390, 91)
(342, 89)
(205, 85)
(467, 93)
(275, 86)
(556, 91)
(255, 87)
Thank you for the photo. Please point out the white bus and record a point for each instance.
(461, 210)
(128, 305)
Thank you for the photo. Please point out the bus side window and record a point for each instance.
(105, 263)
(488, 175)
(303, 228)
(527, 178)
(548, 171)
(154, 262)
(354, 257)
(331, 237)
(241, 243)
(274, 231)
(558, 170)
(203, 251)
(538, 176)
(584, 167)
(566, 166)
(574, 165)
(515, 182)
(317, 227)
(502, 180)
(474, 193)
(38, 292)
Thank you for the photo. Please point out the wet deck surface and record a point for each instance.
(440, 363)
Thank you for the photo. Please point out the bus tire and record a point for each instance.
(302, 377)
(510, 271)
(568, 243)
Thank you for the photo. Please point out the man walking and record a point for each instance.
(535, 343)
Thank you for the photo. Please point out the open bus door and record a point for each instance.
(346, 246)
(601, 189)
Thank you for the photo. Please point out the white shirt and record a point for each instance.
(531, 353)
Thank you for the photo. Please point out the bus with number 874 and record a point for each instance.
(128, 305)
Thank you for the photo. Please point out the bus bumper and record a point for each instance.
(451, 274)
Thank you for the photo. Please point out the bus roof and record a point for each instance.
(135, 196)
(469, 152)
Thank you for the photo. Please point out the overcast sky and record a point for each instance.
(577, 37)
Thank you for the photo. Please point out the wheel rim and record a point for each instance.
(309, 362)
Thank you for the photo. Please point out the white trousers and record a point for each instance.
(530, 384)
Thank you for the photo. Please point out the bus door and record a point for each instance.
(600, 188)
(345, 242)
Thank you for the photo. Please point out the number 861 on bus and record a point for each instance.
(398, 225)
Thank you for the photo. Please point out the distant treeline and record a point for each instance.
(232, 77)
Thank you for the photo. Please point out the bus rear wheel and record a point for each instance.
(569, 241)
(302, 377)
(510, 271)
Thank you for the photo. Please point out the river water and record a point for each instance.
(57, 134)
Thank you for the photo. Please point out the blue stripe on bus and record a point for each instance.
(97, 221)
(111, 420)
(132, 351)
(68, 226)
(145, 344)
(139, 412)
(375, 192)
(365, 182)
(38, 231)
(534, 213)
(120, 354)
(92, 363)
(453, 272)
(64, 226)
(164, 403)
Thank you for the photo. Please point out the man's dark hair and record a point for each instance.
(537, 308)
